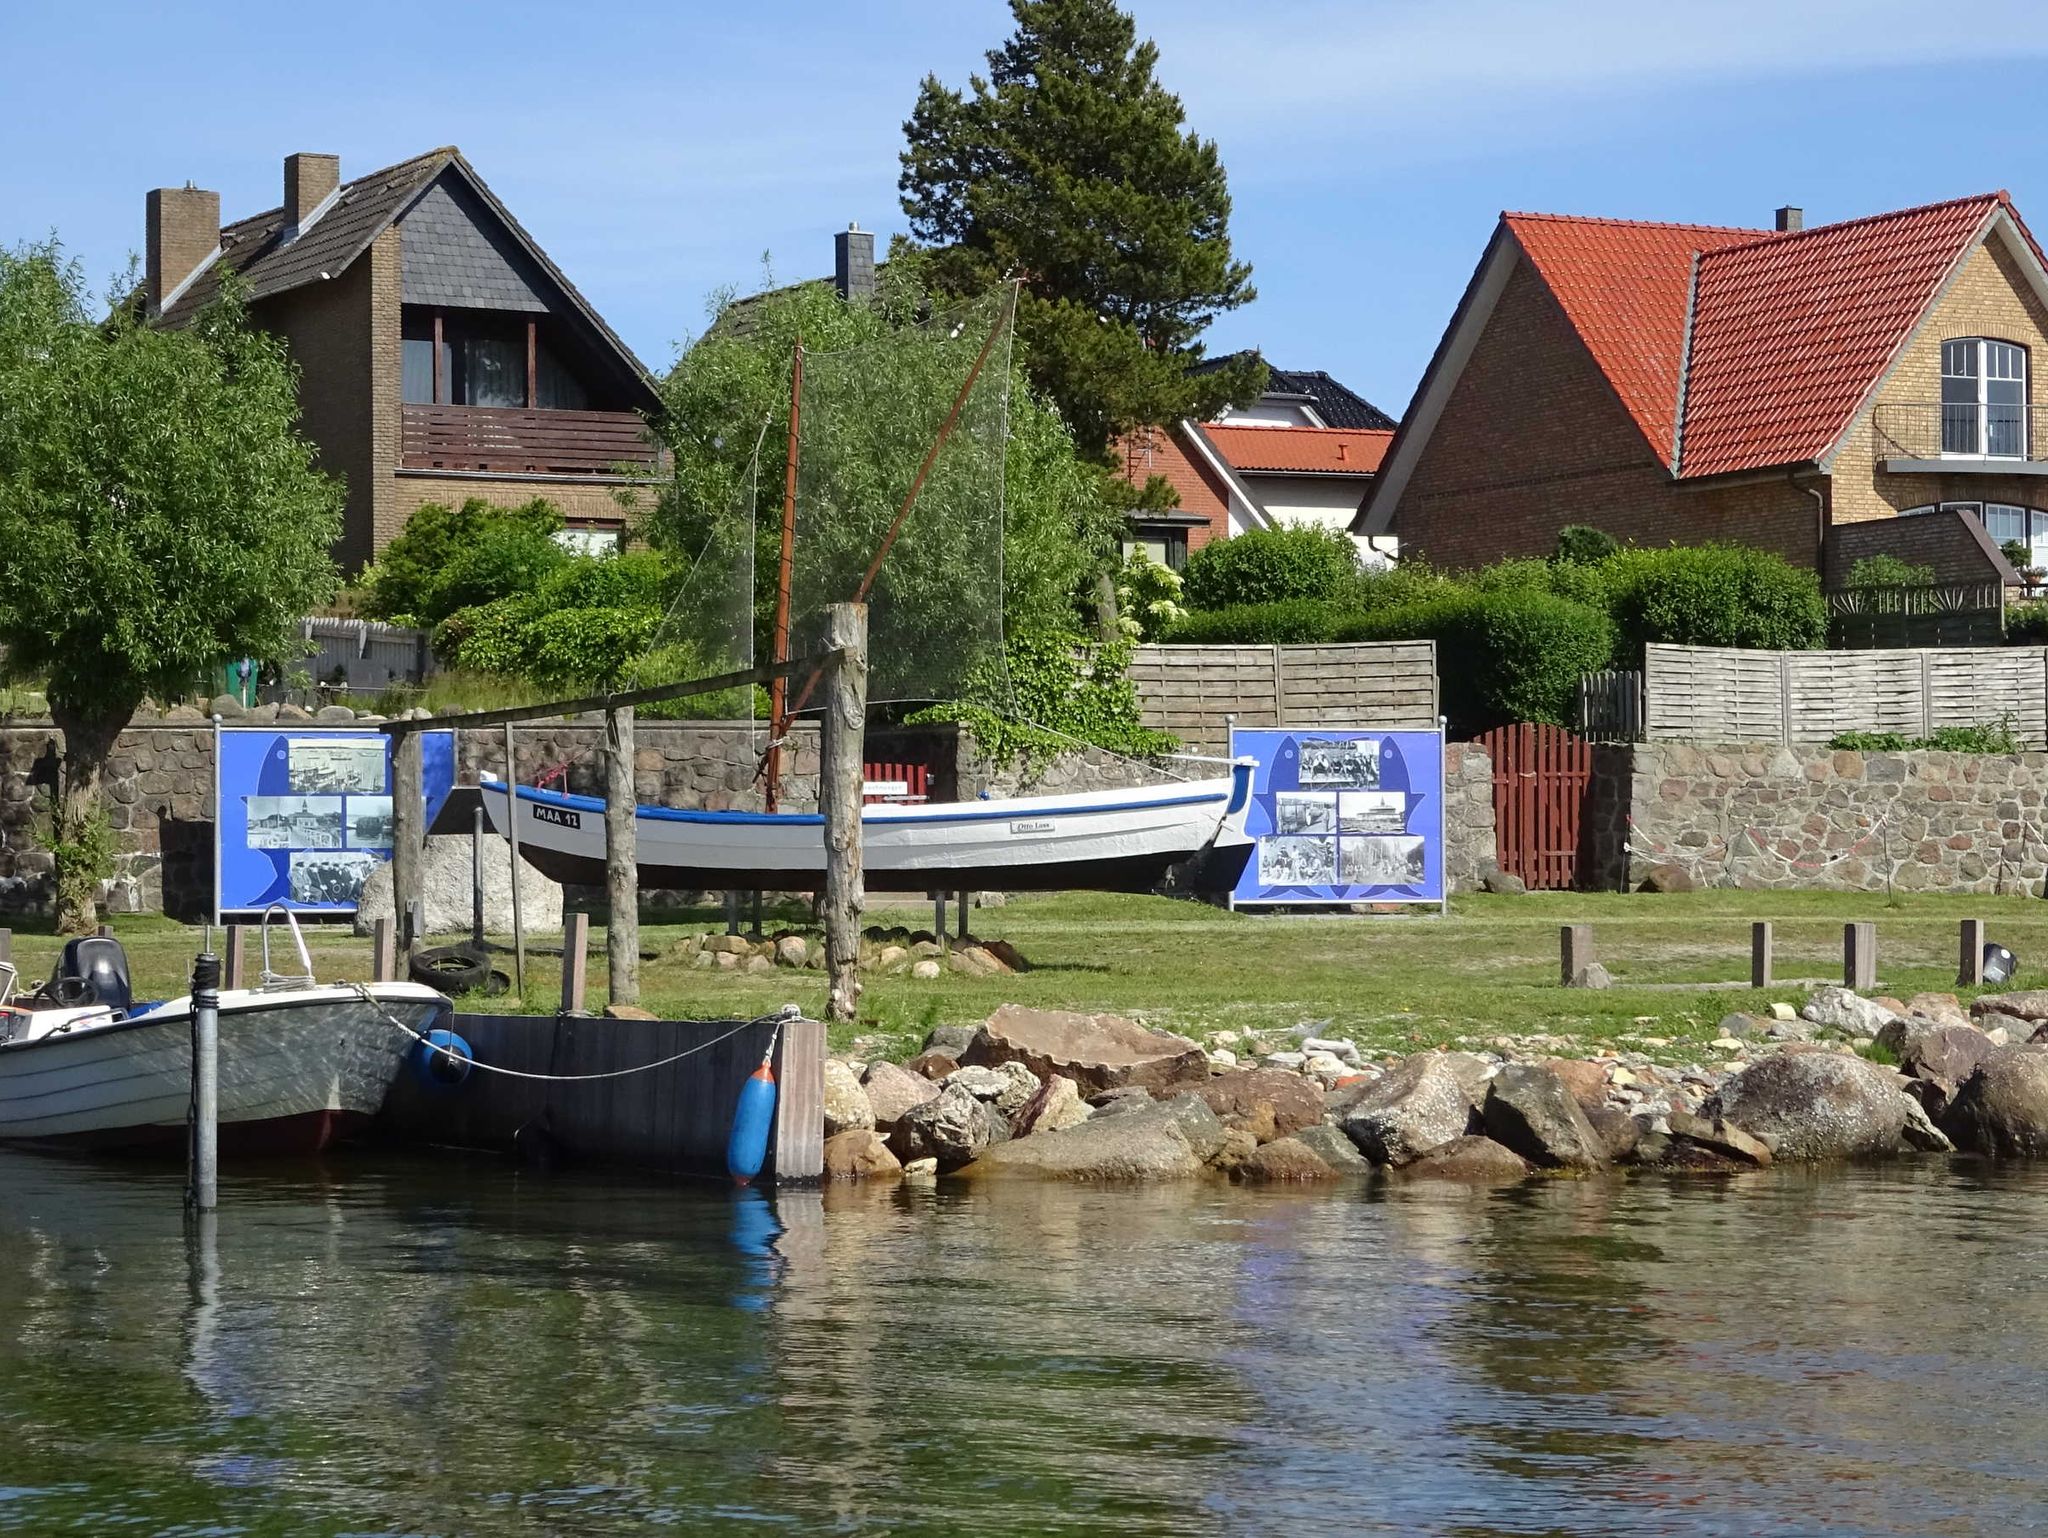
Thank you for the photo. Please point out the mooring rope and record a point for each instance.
(781, 1017)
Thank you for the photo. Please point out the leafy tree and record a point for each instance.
(159, 513)
(448, 558)
(1068, 164)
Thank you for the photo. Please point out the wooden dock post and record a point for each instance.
(1859, 956)
(231, 974)
(512, 841)
(202, 1190)
(408, 839)
(575, 961)
(621, 858)
(839, 798)
(383, 950)
(1970, 954)
(800, 1109)
(1760, 954)
(1574, 952)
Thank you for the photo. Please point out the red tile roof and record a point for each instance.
(1324, 450)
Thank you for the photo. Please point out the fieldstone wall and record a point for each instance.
(1471, 851)
(1775, 817)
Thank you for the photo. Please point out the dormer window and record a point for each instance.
(1983, 398)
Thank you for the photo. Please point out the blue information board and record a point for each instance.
(303, 816)
(1343, 817)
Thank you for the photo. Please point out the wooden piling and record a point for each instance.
(1859, 956)
(1574, 952)
(383, 950)
(231, 973)
(512, 842)
(839, 783)
(800, 1106)
(408, 839)
(1760, 954)
(621, 858)
(575, 961)
(1970, 954)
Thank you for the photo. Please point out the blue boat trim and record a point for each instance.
(1240, 789)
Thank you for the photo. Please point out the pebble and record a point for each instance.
(921, 1169)
(1784, 1012)
(1222, 1057)
(1290, 1060)
(1725, 1044)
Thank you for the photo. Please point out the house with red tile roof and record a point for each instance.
(1798, 389)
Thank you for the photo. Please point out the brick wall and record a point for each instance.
(1154, 451)
(1953, 544)
(329, 328)
(580, 502)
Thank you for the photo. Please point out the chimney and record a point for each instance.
(1790, 218)
(853, 263)
(308, 181)
(183, 231)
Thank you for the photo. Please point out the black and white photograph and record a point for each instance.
(295, 822)
(331, 878)
(369, 822)
(1354, 764)
(1314, 812)
(347, 768)
(1371, 811)
(1382, 861)
(1297, 861)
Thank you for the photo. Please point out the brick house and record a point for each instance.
(1304, 452)
(442, 355)
(1801, 390)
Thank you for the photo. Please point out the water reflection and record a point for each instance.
(461, 1347)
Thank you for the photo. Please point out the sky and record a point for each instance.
(659, 152)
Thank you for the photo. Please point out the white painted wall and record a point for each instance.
(1325, 499)
(1267, 413)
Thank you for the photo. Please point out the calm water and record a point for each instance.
(405, 1347)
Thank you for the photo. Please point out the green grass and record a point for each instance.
(1392, 983)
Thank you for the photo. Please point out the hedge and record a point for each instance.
(1271, 566)
(1712, 595)
(1258, 624)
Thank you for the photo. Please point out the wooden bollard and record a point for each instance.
(1574, 952)
(383, 950)
(839, 799)
(1859, 956)
(1760, 954)
(231, 975)
(1970, 954)
(575, 961)
(408, 839)
(621, 859)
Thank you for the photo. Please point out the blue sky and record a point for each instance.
(658, 151)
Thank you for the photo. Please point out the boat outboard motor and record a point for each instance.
(94, 970)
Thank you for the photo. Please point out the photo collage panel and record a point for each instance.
(1340, 829)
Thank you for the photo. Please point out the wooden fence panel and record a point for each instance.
(1874, 691)
(1741, 693)
(1191, 690)
(1542, 776)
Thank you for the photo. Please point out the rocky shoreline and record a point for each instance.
(1057, 1095)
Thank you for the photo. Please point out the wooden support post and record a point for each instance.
(839, 798)
(939, 917)
(231, 975)
(408, 840)
(512, 839)
(960, 917)
(800, 1107)
(202, 1192)
(575, 961)
(1574, 952)
(1760, 954)
(732, 913)
(1970, 954)
(621, 859)
(476, 878)
(1859, 956)
(6, 945)
(383, 950)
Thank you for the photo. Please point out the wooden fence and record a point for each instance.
(1937, 614)
(1724, 694)
(1191, 690)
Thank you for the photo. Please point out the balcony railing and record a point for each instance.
(508, 441)
(1976, 436)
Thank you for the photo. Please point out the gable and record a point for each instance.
(455, 253)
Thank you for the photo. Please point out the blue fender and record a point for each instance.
(439, 1070)
(753, 1120)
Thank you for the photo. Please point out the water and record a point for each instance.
(412, 1347)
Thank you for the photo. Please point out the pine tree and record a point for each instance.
(1069, 166)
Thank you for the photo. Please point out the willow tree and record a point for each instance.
(159, 515)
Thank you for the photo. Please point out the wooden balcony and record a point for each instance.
(508, 441)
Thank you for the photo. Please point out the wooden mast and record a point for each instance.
(778, 692)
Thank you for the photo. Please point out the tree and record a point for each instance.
(1068, 165)
(159, 514)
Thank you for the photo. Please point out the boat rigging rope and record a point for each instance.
(781, 1017)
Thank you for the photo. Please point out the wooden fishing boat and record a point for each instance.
(1110, 840)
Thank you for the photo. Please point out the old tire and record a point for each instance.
(451, 968)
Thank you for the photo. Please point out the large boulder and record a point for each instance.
(1940, 1057)
(1668, 878)
(446, 907)
(1586, 1080)
(1839, 1009)
(1167, 1140)
(1530, 1111)
(2002, 1108)
(1415, 1106)
(846, 1103)
(1097, 1052)
(1293, 1102)
(1057, 1105)
(1334, 1147)
(952, 1127)
(893, 1090)
(1620, 1133)
(1285, 1159)
(1478, 1159)
(861, 1155)
(2027, 1004)
(1815, 1105)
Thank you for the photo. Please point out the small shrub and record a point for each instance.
(1258, 624)
(82, 849)
(1712, 595)
(1580, 544)
(1882, 571)
(1985, 737)
(1148, 597)
(1870, 742)
(1271, 566)
(2018, 554)
(2026, 624)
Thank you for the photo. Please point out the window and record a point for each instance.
(1167, 546)
(1983, 398)
(2003, 522)
(481, 358)
(554, 387)
(416, 351)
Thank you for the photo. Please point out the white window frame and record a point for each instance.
(1985, 354)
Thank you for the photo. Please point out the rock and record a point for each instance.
(790, 951)
(1503, 883)
(1057, 1105)
(2027, 1004)
(1346, 1052)
(862, 1154)
(1944, 1055)
(924, 971)
(1814, 1104)
(931, 1065)
(628, 1012)
(982, 1083)
(757, 965)
(1941, 1008)
(1234, 1152)
(950, 1039)
(446, 891)
(1478, 1159)
(1110, 1101)
(1221, 1059)
(1334, 1148)
(727, 945)
(1668, 878)
(1007, 955)
(1718, 1137)
(1740, 1027)
(846, 1102)
(1290, 1062)
(1293, 1102)
(1587, 1081)
(888, 956)
(1009, 1087)
(1592, 975)
(2001, 1110)
(921, 1169)
(952, 1127)
(1619, 1132)
(1530, 1111)
(1410, 1110)
(1783, 1011)
(1921, 1132)
(892, 1090)
(1170, 1139)
(1325, 1067)
(227, 707)
(1095, 1051)
(1841, 1010)
(1286, 1159)
(1472, 1072)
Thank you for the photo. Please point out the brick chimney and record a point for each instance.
(183, 231)
(1790, 218)
(308, 180)
(853, 263)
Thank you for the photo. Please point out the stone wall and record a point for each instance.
(1471, 852)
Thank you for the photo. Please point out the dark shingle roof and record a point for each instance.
(1333, 402)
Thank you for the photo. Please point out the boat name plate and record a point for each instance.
(561, 816)
(1035, 825)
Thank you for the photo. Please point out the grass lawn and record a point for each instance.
(1392, 983)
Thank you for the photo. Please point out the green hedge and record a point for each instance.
(1513, 655)
(1271, 566)
(1258, 624)
(1712, 595)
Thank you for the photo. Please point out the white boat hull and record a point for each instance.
(298, 1068)
(1115, 840)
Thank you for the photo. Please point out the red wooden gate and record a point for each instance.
(1541, 777)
